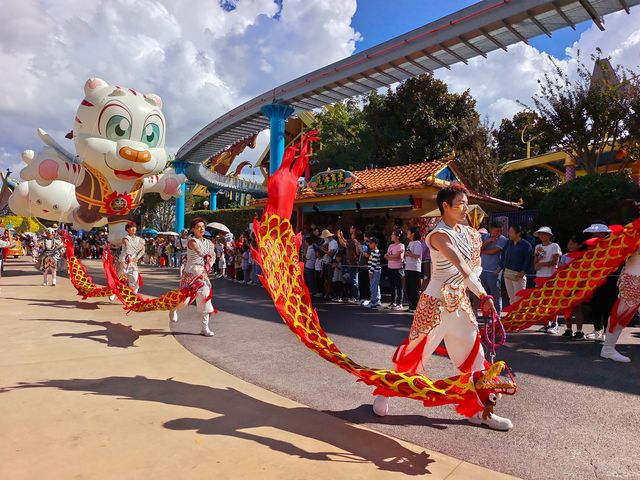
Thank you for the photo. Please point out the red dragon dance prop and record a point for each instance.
(78, 275)
(574, 283)
(133, 302)
(283, 278)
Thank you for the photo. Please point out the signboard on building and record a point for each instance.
(332, 181)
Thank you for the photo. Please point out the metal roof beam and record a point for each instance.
(513, 30)
(454, 54)
(495, 41)
(434, 59)
(374, 80)
(418, 65)
(304, 105)
(349, 89)
(625, 5)
(406, 72)
(538, 24)
(473, 47)
(592, 13)
(563, 15)
(308, 101)
(331, 98)
(393, 78)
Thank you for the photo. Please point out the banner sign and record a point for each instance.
(332, 181)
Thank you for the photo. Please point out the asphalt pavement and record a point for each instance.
(576, 415)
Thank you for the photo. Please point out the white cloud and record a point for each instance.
(504, 78)
(201, 59)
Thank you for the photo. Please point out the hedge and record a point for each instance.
(571, 207)
(237, 219)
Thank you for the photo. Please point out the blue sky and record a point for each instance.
(381, 20)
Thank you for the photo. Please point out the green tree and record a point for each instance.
(476, 156)
(573, 206)
(342, 128)
(420, 121)
(157, 213)
(530, 185)
(586, 114)
(631, 144)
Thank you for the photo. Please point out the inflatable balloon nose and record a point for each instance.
(138, 156)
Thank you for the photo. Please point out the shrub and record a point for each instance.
(571, 207)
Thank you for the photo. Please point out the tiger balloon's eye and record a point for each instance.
(118, 128)
(151, 135)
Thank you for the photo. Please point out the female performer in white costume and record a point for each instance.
(444, 310)
(132, 251)
(200, 257)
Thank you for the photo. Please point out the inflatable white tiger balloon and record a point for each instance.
(119, 135)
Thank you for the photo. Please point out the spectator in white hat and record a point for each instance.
(545, 262)
(605, 295)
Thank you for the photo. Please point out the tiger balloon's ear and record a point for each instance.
(93, 84)
(118, 92)
(153, 99)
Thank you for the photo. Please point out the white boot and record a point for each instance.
(53, 282)
(112, 297)
(381, 405)
(173, 315)
(609, 348)
(493, 421)
(205, 326)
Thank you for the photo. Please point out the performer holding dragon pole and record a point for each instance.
(444, 310)
(47, 252)
(200, 258)
(132, 251)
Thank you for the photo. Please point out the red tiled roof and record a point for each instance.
(401, 177)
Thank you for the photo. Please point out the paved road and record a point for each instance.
(89, 393)
(576, 415)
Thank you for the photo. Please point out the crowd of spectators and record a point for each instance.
(351, 268)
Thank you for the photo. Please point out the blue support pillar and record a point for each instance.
(180, 167)
(278, 114)
(213, 200)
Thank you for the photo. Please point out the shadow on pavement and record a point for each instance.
(530, 352)
(59, 303)
(555, 357)
(237, 412)
(110, 334)
(362, 415)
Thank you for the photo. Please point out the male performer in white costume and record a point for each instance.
(444, 310)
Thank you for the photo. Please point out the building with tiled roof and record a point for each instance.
(403, 191)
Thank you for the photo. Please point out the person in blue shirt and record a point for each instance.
(516, 260)
(493, 244)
